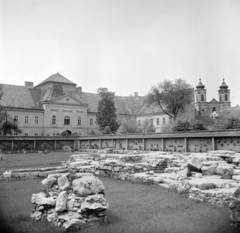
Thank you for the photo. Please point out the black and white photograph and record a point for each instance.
(120, 116)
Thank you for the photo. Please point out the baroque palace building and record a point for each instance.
(57, 104)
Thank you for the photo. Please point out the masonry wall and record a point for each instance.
(199, 144)
(178, 142)
(228, 144)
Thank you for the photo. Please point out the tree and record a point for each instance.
(6, 124)
(171, 97)
(128, 126)
(147, 126)
(106, 115)
(8, 127)
(233, 123)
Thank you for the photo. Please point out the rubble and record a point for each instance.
(209, 177)
(234, 207)
(77, 201)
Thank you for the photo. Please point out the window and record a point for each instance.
(202, 97)
(15, 134)
(79, 120)
(213, 109)
(67, 120)
(226, 97)
(35, 134)
(170, 120)
(163, 120)
(26, 119)
(91, 121)
(202, 109)
(25, 134)
(220, 98)
(139, 123)
(15, 118)
(157, 121)
(53, 120)
(36, 120)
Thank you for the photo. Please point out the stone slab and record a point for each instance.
(194, 181)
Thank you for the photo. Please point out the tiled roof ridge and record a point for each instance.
(14, 85)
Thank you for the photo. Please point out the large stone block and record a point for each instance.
(225, 170)
(63, 183)
(87, 185)
(48, 183)
(73, 224)
(195, 162)
(61, 202)
(94, 203)
(208, 170)
(41, 199)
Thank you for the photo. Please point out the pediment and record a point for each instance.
(68, 100)
(213, 101)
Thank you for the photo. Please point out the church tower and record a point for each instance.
(224, 96)
(200, 99)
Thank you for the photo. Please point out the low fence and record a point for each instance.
(201, 141)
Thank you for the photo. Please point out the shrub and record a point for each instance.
(233, 123)
(185, 125)
(167, 128)
(198, 125)
(182, 125)
(107, 130)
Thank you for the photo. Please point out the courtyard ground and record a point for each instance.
(133, 207)
(32, 160)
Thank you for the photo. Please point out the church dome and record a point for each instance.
(200, 85)
(223, 85)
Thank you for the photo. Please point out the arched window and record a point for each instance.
(67, 120)
(53, 119)
(202, 97)
(79, 120)
(226, 97)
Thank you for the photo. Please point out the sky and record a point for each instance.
(124, 45)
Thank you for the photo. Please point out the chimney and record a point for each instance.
(28, 84)
(136, 94)
(79, 89)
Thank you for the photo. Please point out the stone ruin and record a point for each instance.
(234, 208)
(71, 201)
(212, 177)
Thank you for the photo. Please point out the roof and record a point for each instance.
(20, 97)
(57, 78)
(223, 85)
(213, 101)
(25, 97)
(200, 85)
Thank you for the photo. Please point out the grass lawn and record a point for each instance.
(132, 208)
(32, 160)
(37, 160)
